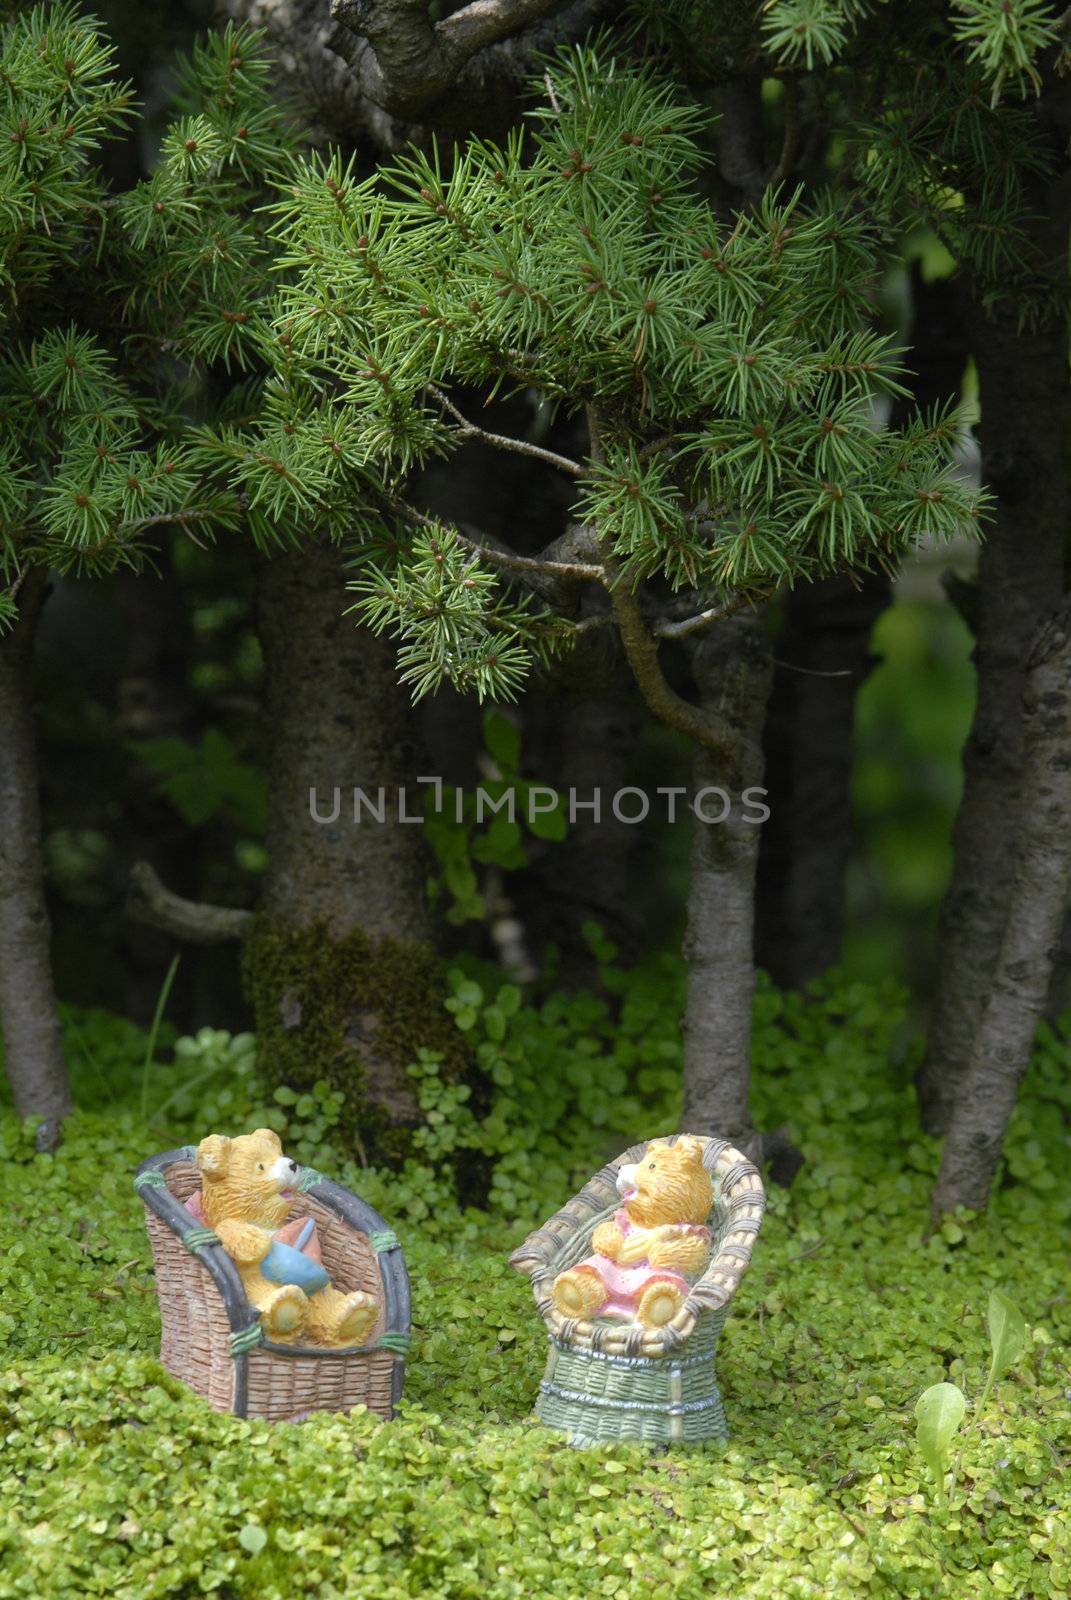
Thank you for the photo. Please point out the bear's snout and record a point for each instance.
(284, 1171)
(626, 1179)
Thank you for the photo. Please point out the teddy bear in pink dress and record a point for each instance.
(659, 1239)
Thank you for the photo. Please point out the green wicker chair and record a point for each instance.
(612, 1380)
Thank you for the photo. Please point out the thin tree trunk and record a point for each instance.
(824, 653)
(1024, 392)
(732, 670)
(339, 965)
(808, 842)
(1019, 980)
(33, 1038)
(582, 725)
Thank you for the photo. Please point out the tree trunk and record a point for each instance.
(807, 843)
(33, 1038)
(339, 966)
(732, 669)
(583, 725)
(1023, 432)
(1019, 980)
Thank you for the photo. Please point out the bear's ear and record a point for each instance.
(213, 1154)
(271, 1136)
(690, 1146)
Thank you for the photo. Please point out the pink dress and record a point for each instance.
(624, 1285)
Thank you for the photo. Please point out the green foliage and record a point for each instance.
(97, 452)
(913, 714)
(941, 1408)
(448, 612)
(61, 102)
(189, 247)
(1005, 37)
(203, 779)
(116, 1480)
(727, 367)
(201, 1060)
(467, 830)
(810, 33)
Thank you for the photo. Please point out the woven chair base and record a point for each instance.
(596, 1399)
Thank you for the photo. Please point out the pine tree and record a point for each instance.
(925, 115)
(726, 371)
(96, 388)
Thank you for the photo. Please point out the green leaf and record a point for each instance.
(508, 999)
(548, 823)
(1007, 1334)
(503, 741)
(939, 1410)
(252, 1538)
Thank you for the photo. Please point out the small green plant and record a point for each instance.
(150, 1043)
(199, 1059)
(941, 1408)
(206, 779)
(487, 828)
(939, 1411)
(304, 1122)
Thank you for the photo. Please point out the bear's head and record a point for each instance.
(247, 1179)
(670, 1184)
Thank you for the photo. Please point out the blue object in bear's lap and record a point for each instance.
(286, 1263)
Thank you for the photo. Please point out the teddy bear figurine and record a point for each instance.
(245, 1198)
(643, 1253)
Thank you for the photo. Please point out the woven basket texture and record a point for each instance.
(196, 1331)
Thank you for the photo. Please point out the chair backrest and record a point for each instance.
(739, 1203)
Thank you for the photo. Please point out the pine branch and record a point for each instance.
(641, 652)
(501, 441)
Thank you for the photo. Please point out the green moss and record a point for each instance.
(116, 1482)
(324, 1008)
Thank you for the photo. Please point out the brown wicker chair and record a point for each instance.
(211, 1337)
(610, 1380)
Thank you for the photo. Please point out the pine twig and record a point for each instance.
(498, 556)
(501, 441)
(665, 628)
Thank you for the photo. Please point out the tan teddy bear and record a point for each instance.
(245, 1199)
(641, 1254)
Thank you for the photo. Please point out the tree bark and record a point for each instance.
(807, 844)
(339, 965)
(1019, 979)
(824, 657)
(732, 669)
(1023, 388)
(29, 1021)
(583, 723)
(379, 73)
